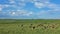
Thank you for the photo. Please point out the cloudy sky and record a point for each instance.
(28, 9)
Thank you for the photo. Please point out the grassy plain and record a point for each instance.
(29, 26)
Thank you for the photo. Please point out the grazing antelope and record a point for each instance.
(30, 25)
(33, 27)
(22, 25)
(39, 25)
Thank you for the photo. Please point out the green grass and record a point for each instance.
(12, 26)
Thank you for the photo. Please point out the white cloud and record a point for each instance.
(25, 13)
(6, 5)
(29, 13)
(21, 4)
(48, 12)
(22, 0)
(43, 12)
(1, 7)
(21, 13)
(12, 1)
(44, 1)
(51, 5)
(44, 4)
(39, 5)
(54, 8)
(13, 13)
(18, 3)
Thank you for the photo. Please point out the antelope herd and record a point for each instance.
(45, 26)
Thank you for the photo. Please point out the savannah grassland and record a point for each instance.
(29, 26)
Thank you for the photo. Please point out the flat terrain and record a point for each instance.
(29, 26)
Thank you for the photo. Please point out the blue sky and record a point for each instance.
(30, 9)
